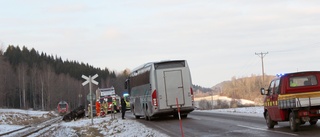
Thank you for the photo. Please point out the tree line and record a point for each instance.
(246, 88)
(29, 79)
(238, 88)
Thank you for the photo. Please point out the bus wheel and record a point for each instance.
(184, 115)
(294, 125)
(175, 115)
(313, 121)
(147, 118)
(270, 123)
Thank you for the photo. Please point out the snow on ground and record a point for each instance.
(101, 126)
(106, 126)
(248, 111)
(215, 98)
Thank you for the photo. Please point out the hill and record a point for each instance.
(239, 88)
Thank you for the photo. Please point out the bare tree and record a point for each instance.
(22, 77)
(1, 48)
(2, 79)
(7, 84)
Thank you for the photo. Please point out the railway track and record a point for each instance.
(33, 129)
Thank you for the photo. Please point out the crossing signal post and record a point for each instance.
(90, 80)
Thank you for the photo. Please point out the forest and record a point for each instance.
(29, 79)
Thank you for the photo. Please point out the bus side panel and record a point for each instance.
(138, 99)
(187, 83)
(174, 87)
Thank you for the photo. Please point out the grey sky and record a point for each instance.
(217, 38)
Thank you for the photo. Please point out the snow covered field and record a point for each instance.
(14, 118)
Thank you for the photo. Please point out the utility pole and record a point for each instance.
(261, 55)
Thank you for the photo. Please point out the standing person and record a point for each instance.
(98, 108)
(114, 102)
(89, 110)
(123, 107)
(105, 107)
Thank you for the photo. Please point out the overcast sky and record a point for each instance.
(218, 38)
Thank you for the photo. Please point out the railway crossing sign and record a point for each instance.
(90, 79)
(90, 96)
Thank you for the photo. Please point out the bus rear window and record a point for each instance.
(170, 64)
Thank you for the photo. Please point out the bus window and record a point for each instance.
(172, 64)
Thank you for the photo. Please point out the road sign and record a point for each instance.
(90, 79)
(91, 95)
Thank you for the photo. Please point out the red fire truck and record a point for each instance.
(293, 97)
(109, 98)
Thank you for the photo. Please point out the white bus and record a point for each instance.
(156, 87)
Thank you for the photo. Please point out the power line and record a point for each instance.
(261, 55)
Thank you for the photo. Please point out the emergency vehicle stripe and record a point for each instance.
(271, 103)
(299, 95)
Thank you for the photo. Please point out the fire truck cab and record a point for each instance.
(293, 97)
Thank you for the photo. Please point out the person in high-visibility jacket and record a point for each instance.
(293, 84)
(104, 106)
(89, 110)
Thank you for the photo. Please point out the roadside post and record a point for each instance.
(179, 118)
(90, 80)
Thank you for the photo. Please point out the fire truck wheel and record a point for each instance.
(270, 123)
(294, 125)
(313, 121)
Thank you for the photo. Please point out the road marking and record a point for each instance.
(268, 130)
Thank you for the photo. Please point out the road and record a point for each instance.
(204, 124)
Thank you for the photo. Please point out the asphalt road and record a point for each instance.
(203, 124)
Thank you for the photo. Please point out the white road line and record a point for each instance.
(268, 130)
